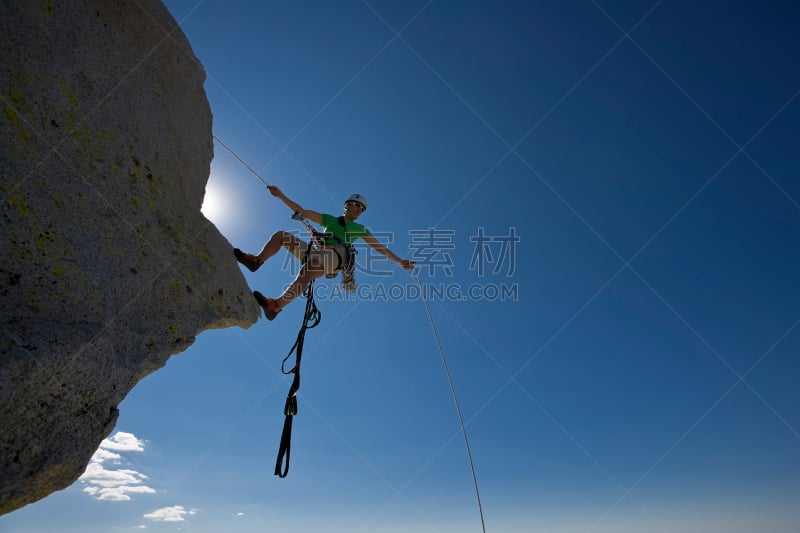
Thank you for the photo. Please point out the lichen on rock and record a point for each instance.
(107, 266)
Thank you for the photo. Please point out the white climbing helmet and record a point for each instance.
(357, 198)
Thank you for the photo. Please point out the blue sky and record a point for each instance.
(642, 376)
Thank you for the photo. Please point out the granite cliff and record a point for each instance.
(107, 266)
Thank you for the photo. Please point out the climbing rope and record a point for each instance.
(240, 159)
(455, 399)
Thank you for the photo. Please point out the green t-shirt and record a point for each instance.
(348, 234)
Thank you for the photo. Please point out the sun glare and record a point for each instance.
(216, 203)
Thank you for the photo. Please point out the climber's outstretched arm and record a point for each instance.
(372, 241)
(294, 206)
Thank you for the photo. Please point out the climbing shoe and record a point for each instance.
(249, 260)
(269, 305)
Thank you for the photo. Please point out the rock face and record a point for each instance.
(107, 266)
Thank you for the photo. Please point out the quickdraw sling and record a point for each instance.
(311, 319)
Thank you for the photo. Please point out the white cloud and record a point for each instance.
(176, 513)
(123, 442)
(114, 484)
(239, 514)
(102, 455)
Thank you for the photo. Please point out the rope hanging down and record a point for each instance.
(311, 319)
(455, 400)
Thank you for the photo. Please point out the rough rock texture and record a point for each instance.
(107, 266)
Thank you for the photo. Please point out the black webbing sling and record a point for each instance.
(311, 319)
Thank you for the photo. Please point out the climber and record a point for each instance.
(330, 257)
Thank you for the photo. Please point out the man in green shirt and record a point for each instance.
(327, 259)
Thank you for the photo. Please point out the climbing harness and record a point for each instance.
(347, 264)
(311, 319)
